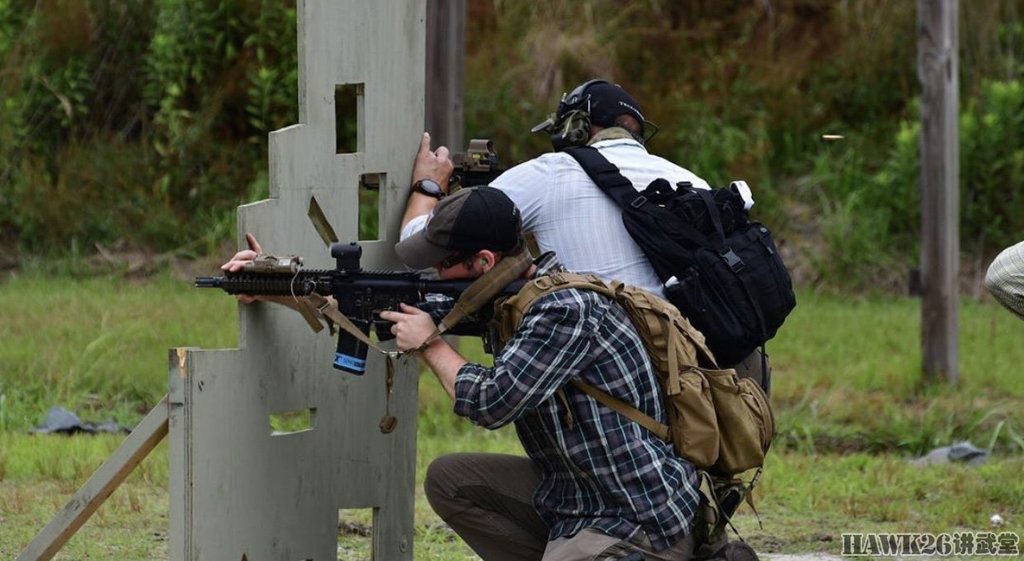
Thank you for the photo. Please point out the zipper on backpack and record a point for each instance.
(764, 230)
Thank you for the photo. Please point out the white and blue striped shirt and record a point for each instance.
(567, 213)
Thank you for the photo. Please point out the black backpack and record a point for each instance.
(722, 271)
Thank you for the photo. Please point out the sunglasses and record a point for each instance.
(453, 260)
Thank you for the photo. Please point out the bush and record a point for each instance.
(871, 221)
(148, 121)
(143, 122)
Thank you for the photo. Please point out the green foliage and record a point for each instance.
(138, 122)
(745, 91)
(147, 122)
(992, 207)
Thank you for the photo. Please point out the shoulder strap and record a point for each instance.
(482, 290)
(606, 175)
(625, 409)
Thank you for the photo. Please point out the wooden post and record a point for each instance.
(446, 43)
(940, 167)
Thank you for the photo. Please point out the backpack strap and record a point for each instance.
(607, 176)
(632, 413)
(612, 183)
(713, 215)
(532, 291)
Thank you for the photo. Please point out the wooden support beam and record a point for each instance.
(446, 55)
(103, 482)
(938, 70)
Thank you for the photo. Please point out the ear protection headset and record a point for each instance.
(570, 125)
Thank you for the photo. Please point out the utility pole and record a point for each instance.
(938, 69)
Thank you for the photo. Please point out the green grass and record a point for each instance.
(850, 405)
(805, 501)
(99, 346)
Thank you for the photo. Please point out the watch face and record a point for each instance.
(430, 187)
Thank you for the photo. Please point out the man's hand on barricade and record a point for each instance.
(240, 259)
(430, 164)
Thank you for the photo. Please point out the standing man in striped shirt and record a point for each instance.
(562, 208)
(1005, 278)
(595, 485)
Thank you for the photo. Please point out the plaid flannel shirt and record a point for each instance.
(599, 469)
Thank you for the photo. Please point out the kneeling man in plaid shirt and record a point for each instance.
(595, 485)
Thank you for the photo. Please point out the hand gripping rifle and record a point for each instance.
(360, 295)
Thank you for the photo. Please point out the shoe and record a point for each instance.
(733, 551)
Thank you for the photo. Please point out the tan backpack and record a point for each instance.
(721, 423)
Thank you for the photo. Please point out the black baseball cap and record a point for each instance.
(472, 219)
(607, 102)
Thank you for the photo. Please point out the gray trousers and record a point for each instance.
(488, 500)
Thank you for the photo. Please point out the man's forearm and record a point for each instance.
(433, 165)
(445, 362)
(417, 205)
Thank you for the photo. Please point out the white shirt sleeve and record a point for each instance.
(415, 225)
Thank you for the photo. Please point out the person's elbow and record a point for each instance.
(490, 411)
(992, 279)
(1000, 278)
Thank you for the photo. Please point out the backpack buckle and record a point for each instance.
(733, 261)
(638, 202)
(558, 279)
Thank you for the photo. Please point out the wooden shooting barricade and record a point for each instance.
(238, 490)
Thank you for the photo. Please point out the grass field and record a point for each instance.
(850, 405)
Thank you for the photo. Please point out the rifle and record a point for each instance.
(478, 165)
(361, 295)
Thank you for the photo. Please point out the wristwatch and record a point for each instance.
(430, 188)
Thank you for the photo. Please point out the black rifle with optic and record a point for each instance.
(361, 295)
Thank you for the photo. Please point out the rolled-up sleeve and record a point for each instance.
(414, 225)
(552, 345)
(1005, 278)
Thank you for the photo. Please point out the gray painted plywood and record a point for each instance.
(235, 488)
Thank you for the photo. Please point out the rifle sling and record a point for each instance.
(482, 291)
(330, 310)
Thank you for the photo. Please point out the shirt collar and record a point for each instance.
(617, 142)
